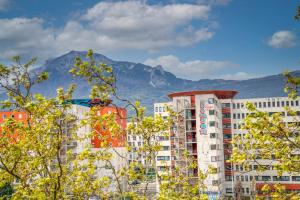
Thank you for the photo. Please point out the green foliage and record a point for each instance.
(270, 138)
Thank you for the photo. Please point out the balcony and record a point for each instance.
(191, 139)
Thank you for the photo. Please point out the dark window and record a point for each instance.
(227, 125)
(225, 105)
(238, 105)
(264, 104)
(295, 178)
(213, 135)
(211, 112)
(292, 103)
(239, 116)
(233, 105)
(234, 116)
(278, 103)
(228, 178)
(287, 103)
(227, 136)
(273, 103)
(297, 103)
(269, 104)
(282, 103)
(281, 178)
(212, 123)
(226, 115)
(259, 104)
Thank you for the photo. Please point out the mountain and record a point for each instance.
(136, 81)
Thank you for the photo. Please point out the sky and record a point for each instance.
(193, 39)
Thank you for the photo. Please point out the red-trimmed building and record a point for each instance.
(207, 122)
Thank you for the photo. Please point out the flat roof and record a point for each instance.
(221, 94)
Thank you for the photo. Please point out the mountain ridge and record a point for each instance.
(136, 81)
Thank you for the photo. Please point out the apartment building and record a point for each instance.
(117, 143)
(207, 122)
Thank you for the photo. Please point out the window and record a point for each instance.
(238, 105)
(282, 103)
(160, 109)
(295, 178)
(139, 144)
(273, 104)
(213, 147)
(233, 105)
(269, 104)
(228, 178)
(215, 182)
(128, 137)
(234, 126)
(134, 137)
(163, 158)
(212, 123)
(243, 115)
(214, 159)
(165, 148)
(229, 190)
(242, 105)
(228, 167)
(292, 103)
(211, 100)
(278, 103)
(259, 104)
(211, 112)
(264, 104)
(281, 178)
(246, 178)
(239, 116)
(156, 109)
(255, 104)
(234, 116)
(297, 103)
(227, 157)
(227, 136)
(287, 103)
(266, 178)
(247, 190)
(226, 115)
(227, 125)
(213, 135)
(225, 105)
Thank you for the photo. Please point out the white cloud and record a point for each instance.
(3, 4)
(237, 76)
(193, 70)
(25, 36)
(282, 39)
(109, 26)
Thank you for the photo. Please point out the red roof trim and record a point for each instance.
(221, 94)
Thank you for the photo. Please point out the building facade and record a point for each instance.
(206, 123)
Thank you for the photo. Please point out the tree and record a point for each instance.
(268, 137)
(35, 154)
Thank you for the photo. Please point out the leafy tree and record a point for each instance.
(268, 137)
(35, 153)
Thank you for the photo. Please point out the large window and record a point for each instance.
(227, 125)
(226, 115)
(281, 178)
(295, 178)
(225, 105)
(163, 158)
(212, 123)
(211, 112)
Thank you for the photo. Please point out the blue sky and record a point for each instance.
(194, 39)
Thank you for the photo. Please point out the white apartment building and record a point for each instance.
(206, 124)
